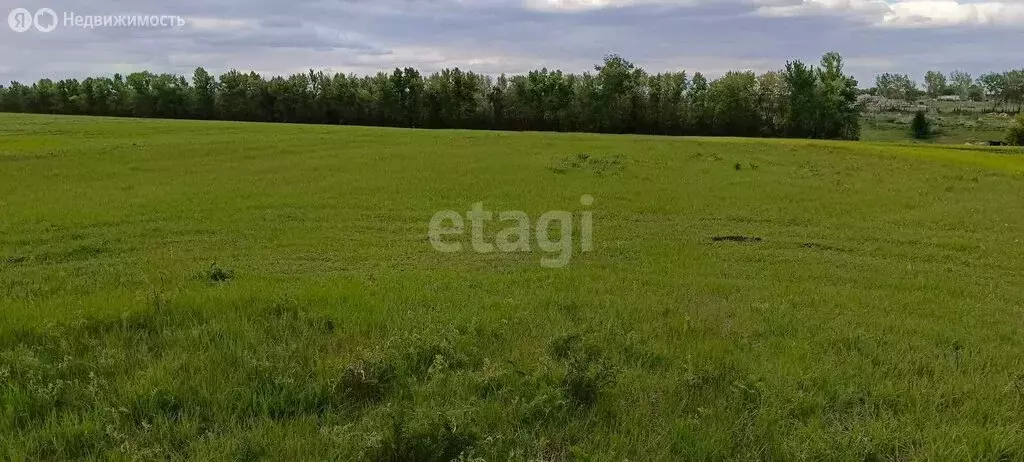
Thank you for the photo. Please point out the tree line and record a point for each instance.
(1005, 89)
(800, 100)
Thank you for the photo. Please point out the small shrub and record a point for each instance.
(1015, 135)
(921, 127)
(587, 373)
(367, 381)
(217, 274)
(425, 439)
(584, 380)
(563, 346)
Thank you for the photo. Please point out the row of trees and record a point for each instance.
(1001, 88)
(618, 97)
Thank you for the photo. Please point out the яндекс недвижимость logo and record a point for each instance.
(46, 20)
(21, 20)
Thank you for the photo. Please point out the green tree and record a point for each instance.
(802, 118)
(996, 88)
(1015, 134)
(665, 102)
(1014, 91)
(935, 83)
(734, 105)
(121, 97)
(16, 98)
(46, 99)
(839, 115)
(699, 119)
(204, 94)
(617, 97)
(897, 87)
(920, 126)
(773, 101)
(961, 82)
(619, 85)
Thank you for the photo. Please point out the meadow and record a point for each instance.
(220, 290)
(948, 128)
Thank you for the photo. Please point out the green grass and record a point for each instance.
(948, 127)
(235, 291)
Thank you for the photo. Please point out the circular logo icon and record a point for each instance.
(20, 20)
(42, 25)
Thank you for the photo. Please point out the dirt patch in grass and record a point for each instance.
(598, 164)
(738, 239)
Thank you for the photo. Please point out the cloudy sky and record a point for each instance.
(511, 36)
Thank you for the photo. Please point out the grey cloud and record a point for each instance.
(492, 36)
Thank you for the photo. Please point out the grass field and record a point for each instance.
(210, 290)
(949, 128)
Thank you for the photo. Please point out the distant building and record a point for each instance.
(949, 98)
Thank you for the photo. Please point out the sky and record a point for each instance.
(276, 37)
